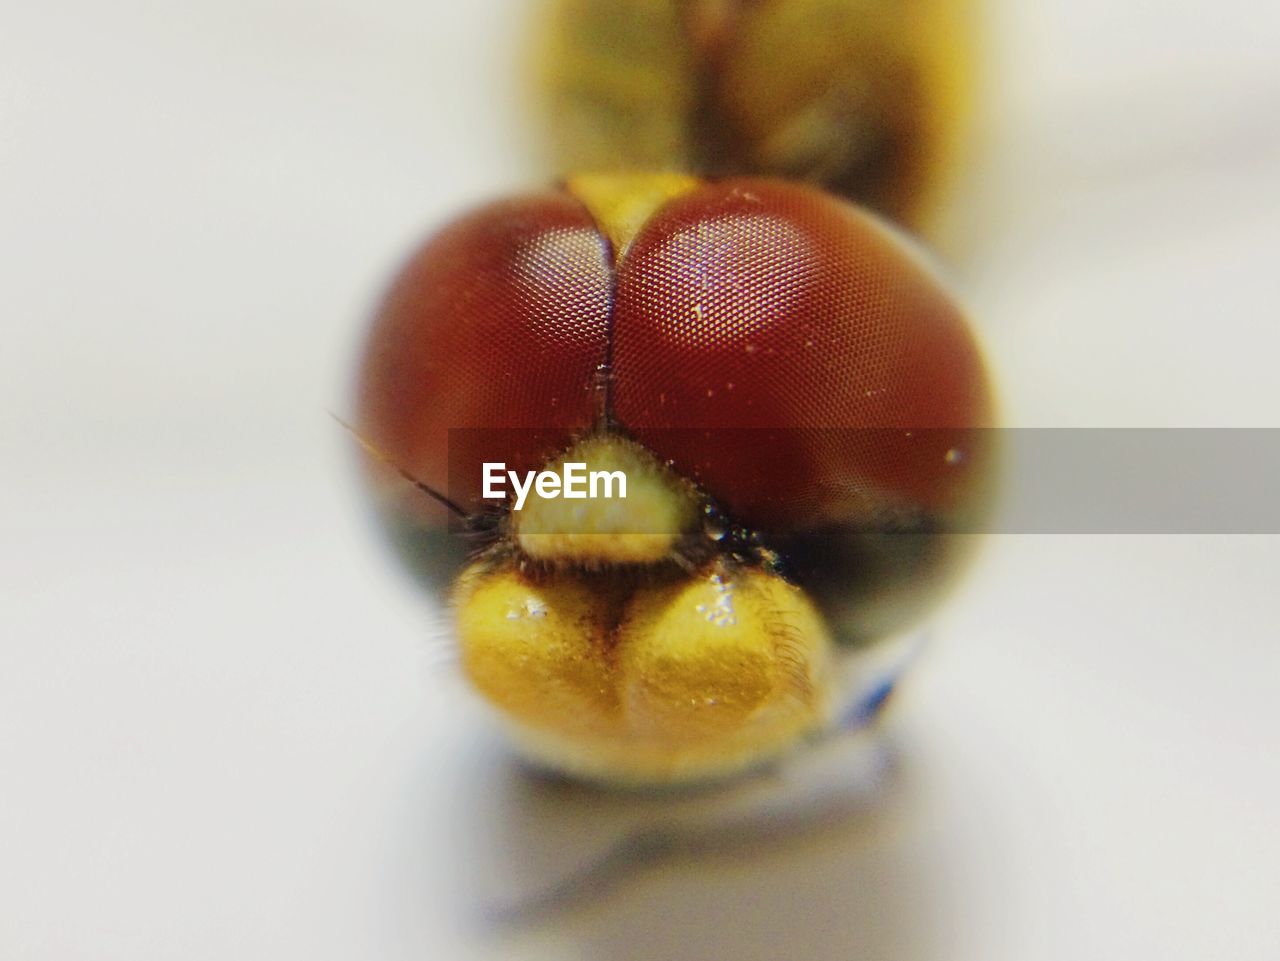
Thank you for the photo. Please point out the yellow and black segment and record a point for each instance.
(870, 99)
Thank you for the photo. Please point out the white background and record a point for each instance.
(228, 724)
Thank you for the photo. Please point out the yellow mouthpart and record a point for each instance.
(697, 677)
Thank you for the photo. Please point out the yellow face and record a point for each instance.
(615, 661)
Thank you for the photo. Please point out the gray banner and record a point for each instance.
(1046, 480)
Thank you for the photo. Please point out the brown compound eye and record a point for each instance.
(499, 322)
(782, 350)
(789, 354)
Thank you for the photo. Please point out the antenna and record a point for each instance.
(382, 456)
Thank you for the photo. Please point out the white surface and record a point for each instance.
(225, 729)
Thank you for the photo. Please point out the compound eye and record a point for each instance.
(789, 354)
(487, 346)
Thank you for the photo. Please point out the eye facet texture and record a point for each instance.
(806, 340)
(499, 321)
(783, 350)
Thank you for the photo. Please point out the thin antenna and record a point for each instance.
(379, 454)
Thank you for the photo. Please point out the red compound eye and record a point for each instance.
(499, 321)
(789, 354)
(780, 348)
